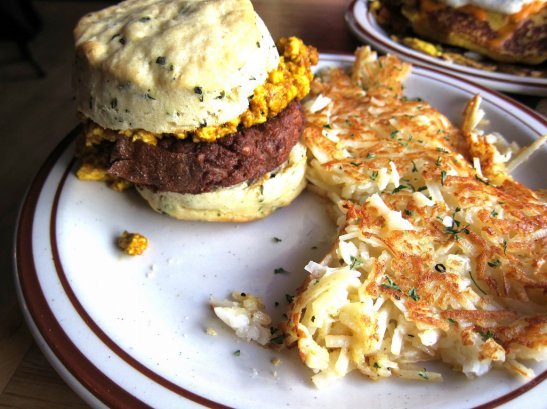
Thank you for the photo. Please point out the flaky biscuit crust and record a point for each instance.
(170, 66)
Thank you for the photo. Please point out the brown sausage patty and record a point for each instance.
(183, 166)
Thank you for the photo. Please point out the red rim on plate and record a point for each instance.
(38, 311)
(79, 366)
(381, 40)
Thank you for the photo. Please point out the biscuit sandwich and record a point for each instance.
(194, 104)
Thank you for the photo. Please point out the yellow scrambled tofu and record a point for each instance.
(132, 244)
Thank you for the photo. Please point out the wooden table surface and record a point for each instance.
(35, 114)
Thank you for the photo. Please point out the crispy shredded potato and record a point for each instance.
(440, 255)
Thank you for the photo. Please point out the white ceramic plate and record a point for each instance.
(363, 24)
(131, 332)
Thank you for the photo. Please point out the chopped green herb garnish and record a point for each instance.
(328, 126)
(278, 340)
(421, 188)
(355, 163)
(413, 294)
(289, 298)
(399, 188)
(374, 175)
(355, 262)
(376, 365)
(237, 353)
(487, 183)
(504, 246)
(494, 213)
(494, 263)
(414, 168)
(476, 285)
(393, 134)
(408, 212)
(390, 284)
(486, 335)
(371, 155)
(450, 320)
(443, 177)
(160, 60)
(276, 239)
(199, 91)
(423, 375)
(280, 270)
(438, 161)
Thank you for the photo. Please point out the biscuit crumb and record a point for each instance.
(211, 332)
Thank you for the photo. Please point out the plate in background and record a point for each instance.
(362, 23)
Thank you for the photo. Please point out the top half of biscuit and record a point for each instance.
(170, 66)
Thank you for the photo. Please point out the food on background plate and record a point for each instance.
(194, 104)
(132, 244)
(512, 35)
(440, 255)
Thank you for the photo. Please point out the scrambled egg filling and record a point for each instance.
(132, 244)
(291, 79)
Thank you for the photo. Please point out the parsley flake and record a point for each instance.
(494, 263)
(355, 262)
(413, 294)
(440, 268)
(398, 188)
(278, 340)
(486, 335)
(476, 285)
(443, 177)
(390, 284)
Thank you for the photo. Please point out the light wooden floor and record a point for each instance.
(35, 114)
